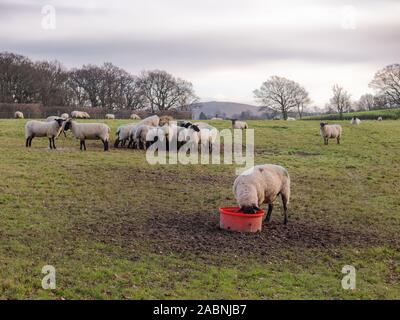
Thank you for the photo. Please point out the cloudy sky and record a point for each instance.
(226, 48)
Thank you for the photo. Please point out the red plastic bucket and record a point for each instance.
(232, 219)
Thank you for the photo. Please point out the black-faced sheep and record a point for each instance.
(88, 131)
(239, 124)
(262, 184)
(330, 131)
(39, 129)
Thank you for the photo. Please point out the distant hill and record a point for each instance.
(386, 114)
(224, 109)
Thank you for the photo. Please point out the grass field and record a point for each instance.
(387, 114)
(115, 227)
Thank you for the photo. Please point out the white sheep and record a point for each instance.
(291, 119)
(88, 131)
(208, 134)
(152, 121)
(110, 116)
(262, 184)
(140, 136)
(80, 115)
(65, 116)
(134, 117)
(380, 119)
(40, 129)
(239, 124)
(355, 121)
(18, 115)
(123, 134)
(331, 131)
(216, 119)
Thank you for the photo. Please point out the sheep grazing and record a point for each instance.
(18, 115)
(380, 119)
(330, 131)
(39, 129)
(88, 131)
(262, 184)
(140, 136)
(153, 121)
(110, 116)
(239, 124)
(208, 133)
(134, 117)
(80, 115)
(291, 119)
(65, 116)
(355, 121)
(165, 120)
(123, 134)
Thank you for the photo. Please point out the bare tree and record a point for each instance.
(51, 81)
(18, 79)
(163, 92)
(341, 100)
(366, 102)
(302, 100)
(387, 82)
(279, 94)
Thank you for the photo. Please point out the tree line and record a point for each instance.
(106, 86)
(283, 95)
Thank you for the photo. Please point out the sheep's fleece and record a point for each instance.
(261, 184)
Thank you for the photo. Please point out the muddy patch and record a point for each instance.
(199, 234)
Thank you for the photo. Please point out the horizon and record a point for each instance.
(227, 50)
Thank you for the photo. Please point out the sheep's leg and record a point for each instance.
(116, 143)
(84, 145)
(27, 142)
(54, 145)
(284, 202)
(105, 143)
(338, 140)
(270, 208)
(50, 144)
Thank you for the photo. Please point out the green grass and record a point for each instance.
(115, 227)
(388, 114)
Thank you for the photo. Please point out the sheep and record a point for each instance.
(110, 116)
(380, 119)
(135, 117)
(152, 121)
(18, 115)
(140, 136)
(262, 184)
(80, 115)
(208, 133)
(65, 116)
(88, 131)
(165, 120)
(331, 131)
(52, 118)
(239, 124)
(217, 119)
(355, 121)
(38, 129)
(123, 134)
(291, 119)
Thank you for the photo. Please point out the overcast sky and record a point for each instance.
(226, 48)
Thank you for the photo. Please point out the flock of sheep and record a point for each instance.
(259, 185)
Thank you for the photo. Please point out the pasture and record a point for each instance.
(115, 227)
